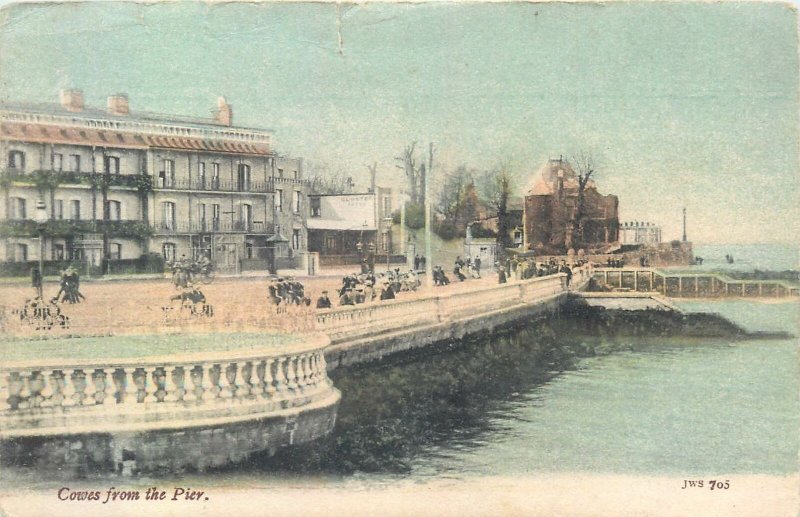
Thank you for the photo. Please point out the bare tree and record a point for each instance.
(408, 162)
(584, 165)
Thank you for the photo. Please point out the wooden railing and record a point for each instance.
(692, 284)
(49, 397)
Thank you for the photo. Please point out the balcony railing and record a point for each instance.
(182, 227)
(211, 185)
(70, 227)
(45, 177)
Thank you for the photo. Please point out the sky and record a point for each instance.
(681, 104)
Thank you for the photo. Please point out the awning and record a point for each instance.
(318, 223)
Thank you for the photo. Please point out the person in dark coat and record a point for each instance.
(323, 302)
(36, 279)
(501, 275)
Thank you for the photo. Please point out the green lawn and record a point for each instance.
(137, 345)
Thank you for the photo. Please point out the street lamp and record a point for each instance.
(41, 219)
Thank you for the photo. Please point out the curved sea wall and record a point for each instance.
(169, 412)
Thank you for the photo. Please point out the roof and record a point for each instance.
(57, 134)
(543, 182)
(54, 124)
(90, 112)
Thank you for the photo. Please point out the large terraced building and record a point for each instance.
(118, 185)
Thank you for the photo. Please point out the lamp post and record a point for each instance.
(41, 219)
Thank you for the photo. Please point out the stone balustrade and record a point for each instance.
(362, 320)
(52, 397)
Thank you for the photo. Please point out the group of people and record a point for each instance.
(366, 287)
(283, 292)
(618, 263)
(69, 287)
(184, 270)
(525, 269)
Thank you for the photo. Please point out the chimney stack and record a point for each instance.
(224, 113)
(71, 100)
(118, 104)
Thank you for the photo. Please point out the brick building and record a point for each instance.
(551, 201)
(118, 184)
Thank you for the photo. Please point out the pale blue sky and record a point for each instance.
(682, 104)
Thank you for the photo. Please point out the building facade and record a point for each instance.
(638, 232)
(344, 228)
(118, 185)
(550, 208)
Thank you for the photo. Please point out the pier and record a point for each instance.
(682, 284)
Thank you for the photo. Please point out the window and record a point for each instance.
(58, 252)
(75, 162)
(58, 209)
(246, 216)
(215, 176)
(278, 200)
(243, 177)
(112, 164)
(16, 160)
(169, 251)
(58, 162)
(385, 242)
(316, 210)
(215, 216)
(330, 242)
(115, 251)
(114, 210)
(280, 173)
(387, 206)
(295, 239)
(75, 209)
(166, 177)
(20, 208)
(296, 175)
(296, 201)
(201, 215)
(201, 175)
(21, 253)
(168, 215)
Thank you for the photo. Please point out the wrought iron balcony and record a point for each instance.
(211, 185)
(212, 226)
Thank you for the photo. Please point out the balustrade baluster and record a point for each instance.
(130, 394)
(269, 379)
(99, 385)
(78, 379)
(175, 383)
(150, 384)
(231, 390)
(46, 393)
(259, 374)
(247, 384)
(117, 380)
(214, 389)
(280, 375)
(195, 393)
(300, 373)
(57, 387)
(36, 384)
(291, 376)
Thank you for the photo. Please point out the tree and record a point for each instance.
(584, 165)
(496, 187)
(408, 162)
